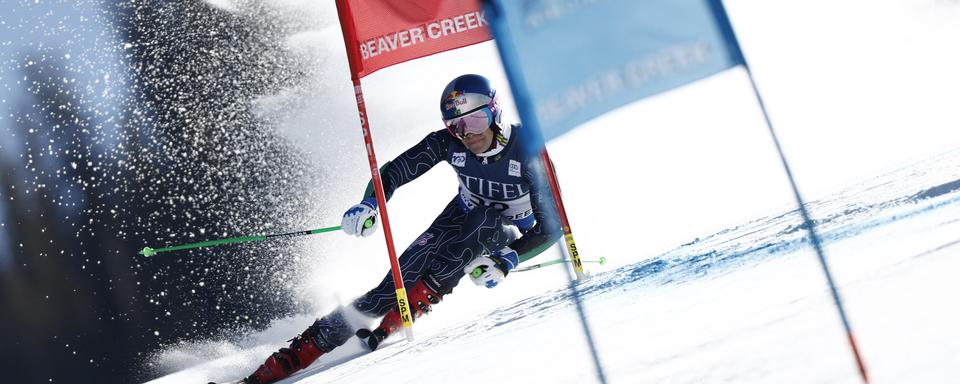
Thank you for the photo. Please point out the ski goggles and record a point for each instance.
(473, 122)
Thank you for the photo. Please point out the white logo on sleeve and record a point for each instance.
(459, 159)
(514, 168)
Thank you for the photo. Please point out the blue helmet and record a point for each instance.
(467, 94)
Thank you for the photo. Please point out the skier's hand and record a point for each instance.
(361, 219)
(489, 270)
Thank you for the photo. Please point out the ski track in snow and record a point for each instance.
(908, 202)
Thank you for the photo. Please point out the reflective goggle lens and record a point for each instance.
(474, 122)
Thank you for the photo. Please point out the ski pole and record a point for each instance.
(147, 251)
(602, 261)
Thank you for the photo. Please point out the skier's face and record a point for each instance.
(478, 142)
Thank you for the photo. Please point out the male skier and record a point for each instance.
(502, 190)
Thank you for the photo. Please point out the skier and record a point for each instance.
(501, 192)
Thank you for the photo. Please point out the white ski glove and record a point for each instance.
(489, 270)
(361, 219)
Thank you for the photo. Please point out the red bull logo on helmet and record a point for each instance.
(454, 100)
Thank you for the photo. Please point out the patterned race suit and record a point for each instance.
(498, 195)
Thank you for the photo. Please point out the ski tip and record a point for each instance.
(147, 251)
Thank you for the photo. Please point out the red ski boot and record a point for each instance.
(304, 350)
(423, 294)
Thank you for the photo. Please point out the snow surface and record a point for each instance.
(746, 304)
(743, 299)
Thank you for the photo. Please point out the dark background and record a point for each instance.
(178, 157)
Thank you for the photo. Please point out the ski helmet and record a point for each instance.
(468, 102)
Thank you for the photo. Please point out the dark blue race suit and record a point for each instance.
(498, 195)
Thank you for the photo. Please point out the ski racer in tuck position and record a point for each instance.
(501, 191)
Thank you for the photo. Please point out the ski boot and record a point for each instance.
(304, 350)
(423, 294)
